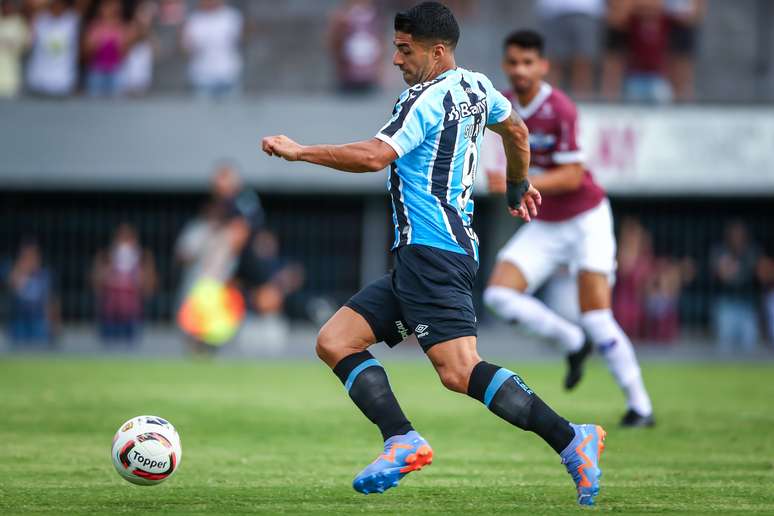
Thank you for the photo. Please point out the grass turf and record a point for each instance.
(284, 438)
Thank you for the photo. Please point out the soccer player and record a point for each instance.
(431, 144)
(574, 228)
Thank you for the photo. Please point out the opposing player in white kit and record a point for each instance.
(574, 229)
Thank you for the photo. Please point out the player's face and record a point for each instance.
(524, 67)
(414, 59)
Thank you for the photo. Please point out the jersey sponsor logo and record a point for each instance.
(422, 330)
(402, 330)
(466, 109)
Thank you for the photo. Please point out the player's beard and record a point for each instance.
(522, 87)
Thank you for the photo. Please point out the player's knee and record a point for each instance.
(455, 378)
(335, 343)
(328, 345)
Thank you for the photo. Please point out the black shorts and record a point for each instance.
(428, 293)
(682, 39)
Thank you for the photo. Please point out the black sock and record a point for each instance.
(506, 394)
(367, 384)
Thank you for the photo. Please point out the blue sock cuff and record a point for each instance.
(359, 369)
(497, 381)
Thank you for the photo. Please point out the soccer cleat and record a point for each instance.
(633, 419)
(402, 455)
(575, 362)
(581, 458)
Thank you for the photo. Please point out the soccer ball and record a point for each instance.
(146, 450)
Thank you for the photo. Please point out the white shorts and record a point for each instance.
(583, 243)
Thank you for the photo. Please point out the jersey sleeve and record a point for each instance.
(499, 106)
(567, 148)
(412, 119)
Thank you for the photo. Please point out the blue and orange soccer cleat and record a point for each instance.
(581, 458)
(402, 455)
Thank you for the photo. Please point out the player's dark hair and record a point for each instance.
(526, 39)
(429, 21)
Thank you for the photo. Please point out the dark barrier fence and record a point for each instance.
(335, 239)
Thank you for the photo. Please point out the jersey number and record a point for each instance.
(468, 174)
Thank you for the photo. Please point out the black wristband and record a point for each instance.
(515, 191)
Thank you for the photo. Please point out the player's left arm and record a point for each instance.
(560, 179)
(365, 156)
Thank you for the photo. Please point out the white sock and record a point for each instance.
(513, 306)
(615, 346)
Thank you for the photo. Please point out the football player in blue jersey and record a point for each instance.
(431, 145)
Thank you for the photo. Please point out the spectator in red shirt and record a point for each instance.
(647, 53)
(124, 276)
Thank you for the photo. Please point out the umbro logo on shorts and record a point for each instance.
(421, 330)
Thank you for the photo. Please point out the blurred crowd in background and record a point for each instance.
(630, 50)
(227, 242)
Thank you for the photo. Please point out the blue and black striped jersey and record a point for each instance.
(436, 129)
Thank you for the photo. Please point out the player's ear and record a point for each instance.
(439, 51)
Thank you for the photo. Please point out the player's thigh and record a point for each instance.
(454, 361)
(594, 249)
(372, 315)
(507, 274)
(594, 292)
(435, 291)
(530, 256)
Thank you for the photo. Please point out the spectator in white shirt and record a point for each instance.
(211, 36)
(52, 68)
(13, 39)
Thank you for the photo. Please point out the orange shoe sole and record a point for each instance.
(416, 461)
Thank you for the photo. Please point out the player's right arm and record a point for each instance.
(365, 156)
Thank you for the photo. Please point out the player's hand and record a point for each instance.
(529, 205)
(282, 147)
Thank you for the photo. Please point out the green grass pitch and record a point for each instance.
(278, 437)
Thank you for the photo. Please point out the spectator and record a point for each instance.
(123, 277)
(684, 17)
(34, 316)
(52, 67)
(662, 298)
(107, 40)
(766, 276)
(356, 45)
(211, 36)
(646, 297)
(571, 29)
(734, 265)
(266, 277)
(647, 52)
(616, 39)
(136, 72)
(210, 246)
(635, 266)
(14, 37)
